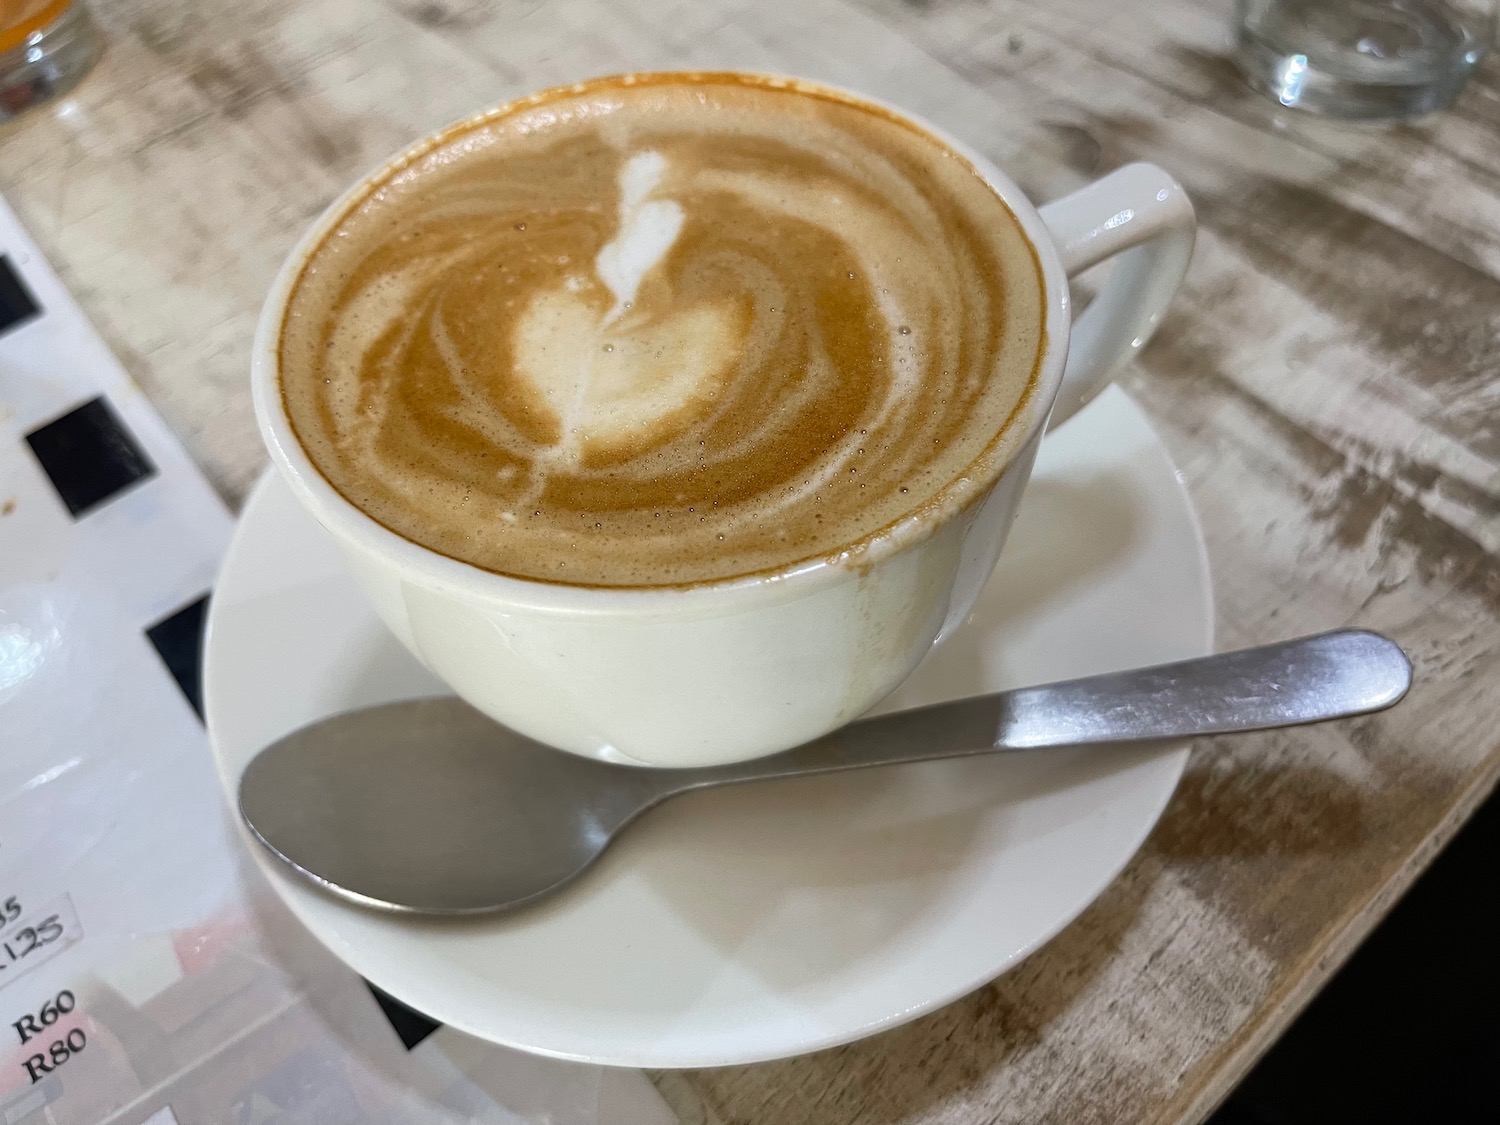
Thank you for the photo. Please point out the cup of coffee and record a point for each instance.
(671, 418)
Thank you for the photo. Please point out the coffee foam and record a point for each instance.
(659, 330)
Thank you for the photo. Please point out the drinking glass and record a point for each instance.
(45, 47)
(1363, 58)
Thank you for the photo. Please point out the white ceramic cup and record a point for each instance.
(717, 672)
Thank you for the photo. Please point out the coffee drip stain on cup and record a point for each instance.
(659, 330)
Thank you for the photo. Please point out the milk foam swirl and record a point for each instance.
(662, 330)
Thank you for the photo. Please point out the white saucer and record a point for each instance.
(765, 921)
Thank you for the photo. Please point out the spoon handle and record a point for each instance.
(1327, 676)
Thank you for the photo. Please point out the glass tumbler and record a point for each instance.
(1363, 58)
(45, 47)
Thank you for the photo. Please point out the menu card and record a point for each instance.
(147, 974)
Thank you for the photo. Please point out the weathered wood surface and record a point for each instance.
(1328, 384)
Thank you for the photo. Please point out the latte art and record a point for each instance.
(659, 330)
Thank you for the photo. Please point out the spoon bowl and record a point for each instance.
(427, 805)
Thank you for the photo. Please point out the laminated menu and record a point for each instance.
(147, 974)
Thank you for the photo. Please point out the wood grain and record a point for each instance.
(1327, 383)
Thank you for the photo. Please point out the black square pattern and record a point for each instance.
(410, 1025)
(17, 305)
(89, 455)
(179, 643)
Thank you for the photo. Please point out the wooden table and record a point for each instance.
(1327, 383)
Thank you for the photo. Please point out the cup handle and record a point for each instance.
(1142, 214)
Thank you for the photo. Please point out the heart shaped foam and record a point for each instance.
(619, 385)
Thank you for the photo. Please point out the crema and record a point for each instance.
(661, 330)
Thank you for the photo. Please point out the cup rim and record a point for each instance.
(348, 523)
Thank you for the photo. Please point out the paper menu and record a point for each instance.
(146, 974)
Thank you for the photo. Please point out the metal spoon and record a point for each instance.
(428, 806)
